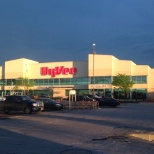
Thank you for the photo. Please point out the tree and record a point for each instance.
(23, 84)
(123, 82)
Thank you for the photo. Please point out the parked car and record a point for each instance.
(50, 104)
(108, 101)
(95, 97)
(84, 98)
(20, 103)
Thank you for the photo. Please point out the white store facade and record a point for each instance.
(85, 77)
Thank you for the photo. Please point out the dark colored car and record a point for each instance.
(84, 98)
(111, 102)
(95, 97)
(50, 104)
(20, 103)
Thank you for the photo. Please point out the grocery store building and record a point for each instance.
(85, 77)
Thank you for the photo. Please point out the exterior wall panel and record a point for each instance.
(34, 71)
(122, 67)
(100, 65)
(17, 68)
(140, 70)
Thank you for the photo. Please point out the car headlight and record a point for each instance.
(35, 104)
(58, 105)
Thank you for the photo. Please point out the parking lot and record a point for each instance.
(100, 131)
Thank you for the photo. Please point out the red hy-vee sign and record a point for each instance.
(58, 70)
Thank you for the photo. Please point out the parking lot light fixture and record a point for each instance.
(94, 52)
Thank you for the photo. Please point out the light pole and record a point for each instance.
(94, 52)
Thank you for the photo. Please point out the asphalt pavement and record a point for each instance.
(101, 131)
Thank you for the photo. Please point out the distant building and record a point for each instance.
(92, 76)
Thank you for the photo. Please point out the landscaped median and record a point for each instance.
(82, 105)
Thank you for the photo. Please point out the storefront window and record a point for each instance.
(82, 92)
(8, 82)
(46, 82)
(50, 81)
(108, 93)
(65, 81)
(85, 81)
(107, 80)
(56, 81)
(40, 81)
(75, 81)
(101, 80)
(36, 82)
(119, 94)
(98, 80)
(139, 79)
(3, 82)
(139, 93)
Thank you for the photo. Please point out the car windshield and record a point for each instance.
(25, 98)
(52, 101)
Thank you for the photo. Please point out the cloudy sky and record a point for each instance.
(64, 30)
